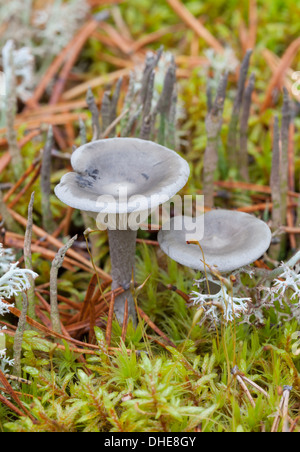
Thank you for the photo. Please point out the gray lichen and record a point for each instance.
(39, 35)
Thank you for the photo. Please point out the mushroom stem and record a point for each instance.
(122, 245)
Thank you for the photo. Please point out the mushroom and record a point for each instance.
(229, 240)
(119, 181)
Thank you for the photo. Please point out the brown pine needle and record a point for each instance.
(10, 405)
(24, 176)
(236, 374)
(55, 242)
(251, 187)
(20, 195)
(95, 83)
(77, 46)
(195, 25)
(277, 79)
(78, 41)
(14, 396)
(155, 328)
(125, 322)
(88, 296)
(110, 319)
(55, 120)
(183, 295)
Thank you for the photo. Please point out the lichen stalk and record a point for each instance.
(213, 124)
(233, 125)
(245, 113)
(90, 100)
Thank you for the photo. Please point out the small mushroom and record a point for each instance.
(230, 240)
(119, 181)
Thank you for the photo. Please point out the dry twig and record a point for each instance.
(282, 411)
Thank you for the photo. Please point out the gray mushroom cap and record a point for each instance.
(230, 240)
(104, 170)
